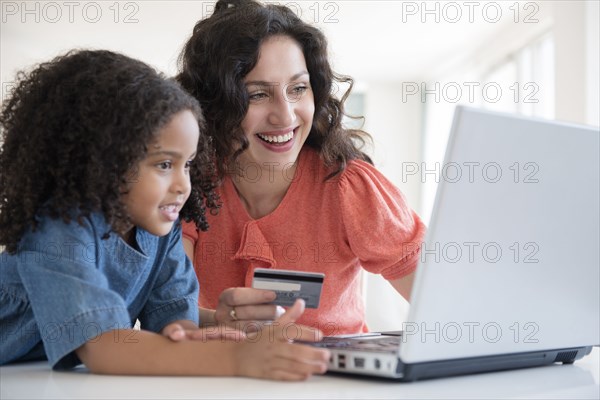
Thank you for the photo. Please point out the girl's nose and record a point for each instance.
(181, 181)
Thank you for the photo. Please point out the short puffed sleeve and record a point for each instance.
(72, 298)
(190, 231)
(382, 230)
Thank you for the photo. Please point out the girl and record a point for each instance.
(100, 157)
(297, 191)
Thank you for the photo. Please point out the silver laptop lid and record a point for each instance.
(511, 260)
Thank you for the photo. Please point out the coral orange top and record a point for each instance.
(355, 220)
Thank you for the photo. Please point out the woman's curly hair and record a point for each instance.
(73, 129)
(224, 48)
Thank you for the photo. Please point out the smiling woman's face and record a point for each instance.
(281, 108)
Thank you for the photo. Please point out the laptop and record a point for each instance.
(509, 272)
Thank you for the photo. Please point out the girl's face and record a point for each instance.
(160, 185)
(282, 106)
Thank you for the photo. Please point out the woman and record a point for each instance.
(297, 191)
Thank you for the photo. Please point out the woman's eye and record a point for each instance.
(299, 89)
(258, 96)
(296, 92)
(188, 164)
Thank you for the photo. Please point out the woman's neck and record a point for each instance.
(261, 191)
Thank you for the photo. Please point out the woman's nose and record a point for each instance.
(282, 111)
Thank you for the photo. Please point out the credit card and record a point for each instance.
(290, 285)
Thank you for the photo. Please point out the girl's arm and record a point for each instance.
(267, 354)
(188, 330)
(130, 352)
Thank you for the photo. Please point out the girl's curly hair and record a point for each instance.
(72, 130)
(224, 48)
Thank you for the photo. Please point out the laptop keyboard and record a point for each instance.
(377, 343)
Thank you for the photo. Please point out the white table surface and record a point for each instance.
(37, 381)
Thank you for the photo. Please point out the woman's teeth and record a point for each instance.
(277, 139)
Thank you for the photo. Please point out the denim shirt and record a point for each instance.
(67, 285)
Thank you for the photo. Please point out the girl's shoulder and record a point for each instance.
(57, 231)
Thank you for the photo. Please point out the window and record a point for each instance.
(527, 78)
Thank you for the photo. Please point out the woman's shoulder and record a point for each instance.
(360, 173)
(356, 174)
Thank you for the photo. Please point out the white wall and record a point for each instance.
(577, 47)
(592, 73)
(152, 31)
(396, 129)
(569, 39)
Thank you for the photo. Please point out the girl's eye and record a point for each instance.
(165, 165)
(188, 164)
